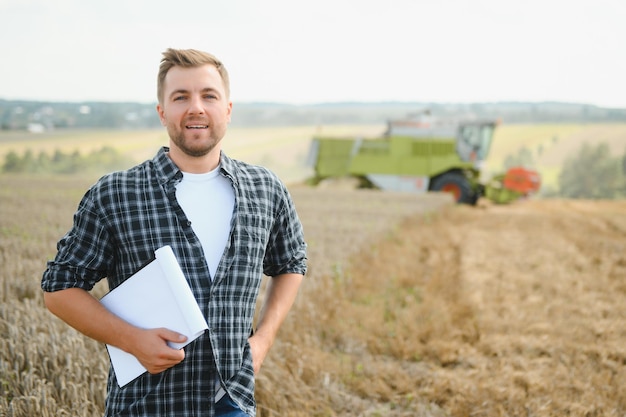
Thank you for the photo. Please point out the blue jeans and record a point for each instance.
(226, 407)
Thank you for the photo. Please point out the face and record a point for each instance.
(195, 109)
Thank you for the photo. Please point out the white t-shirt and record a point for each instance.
(208, 201)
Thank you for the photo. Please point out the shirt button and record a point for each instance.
(188, 223)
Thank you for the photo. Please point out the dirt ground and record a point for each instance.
(545, 283)
(412, 307)
(520, 308)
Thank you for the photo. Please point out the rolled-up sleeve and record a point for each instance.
(83, 256)
(286, 250)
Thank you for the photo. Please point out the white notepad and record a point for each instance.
(158, 295)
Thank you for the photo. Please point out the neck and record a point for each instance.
(195, 164)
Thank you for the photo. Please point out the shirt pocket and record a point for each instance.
(254, 236)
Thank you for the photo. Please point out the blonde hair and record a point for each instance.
(189, 58)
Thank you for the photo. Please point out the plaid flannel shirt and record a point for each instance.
(126, 216)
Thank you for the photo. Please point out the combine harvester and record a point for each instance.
(421, 154)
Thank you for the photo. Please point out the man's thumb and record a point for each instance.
(172, 336)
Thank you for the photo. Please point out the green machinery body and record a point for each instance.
(411, 156)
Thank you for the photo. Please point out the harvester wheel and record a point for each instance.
(457, 184)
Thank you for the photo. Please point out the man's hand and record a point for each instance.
(151, 349)
(280, 295)
(86, 314)
(259, 349)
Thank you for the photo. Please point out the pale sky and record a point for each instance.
(303, 51)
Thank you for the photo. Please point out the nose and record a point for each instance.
(195, 105)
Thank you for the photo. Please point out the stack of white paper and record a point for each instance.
(158, 295)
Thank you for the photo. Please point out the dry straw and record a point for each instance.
(458, 311)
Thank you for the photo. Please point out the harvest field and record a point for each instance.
(412, 307)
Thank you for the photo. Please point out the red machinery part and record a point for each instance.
(522, 180)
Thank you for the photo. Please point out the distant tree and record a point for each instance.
(592, 173)
(29, 161)
(524, 158)
(12, 162)
(43, 162)
(57, 156)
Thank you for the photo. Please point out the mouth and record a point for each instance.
(196, 126)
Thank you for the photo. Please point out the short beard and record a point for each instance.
(178, 138)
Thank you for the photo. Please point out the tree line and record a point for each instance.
(104, 160)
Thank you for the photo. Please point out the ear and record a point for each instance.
(161, 111)
(230, 110)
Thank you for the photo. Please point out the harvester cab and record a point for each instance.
(474, 141)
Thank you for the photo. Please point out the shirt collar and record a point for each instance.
(166, 168)
(228, 167)
(168, 171)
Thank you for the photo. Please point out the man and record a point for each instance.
(228, 223)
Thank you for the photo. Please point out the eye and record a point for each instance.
(179, 98)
